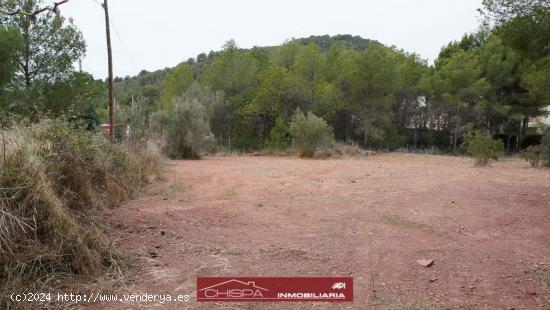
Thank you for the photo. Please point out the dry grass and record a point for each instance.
(336, 150)
(340, 150)
(51, 177)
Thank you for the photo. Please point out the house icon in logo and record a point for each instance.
(235, 284)
(232, 290)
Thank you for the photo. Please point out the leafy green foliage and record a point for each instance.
(175, 83)
(284, 55)
(482, 147)
(145, 84)
(138, 119)
(370, 94)
(216, 107)
(50, 44)
(72, 95)
(325, 42)
(279, 136)
(534, 79)
(280, 92)
(232, 72)
(539, 155)
(523, 24)
(372, 91)
(310, 133)
(545, 143)
(10, 45)
(534, 155)
(188, 130)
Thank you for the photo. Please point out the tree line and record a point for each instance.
(493, 81)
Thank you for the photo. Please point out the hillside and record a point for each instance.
(148, 83)
(326, 41)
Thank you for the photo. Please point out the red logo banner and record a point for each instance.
(331, 289)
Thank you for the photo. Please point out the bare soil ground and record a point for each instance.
(487, 229)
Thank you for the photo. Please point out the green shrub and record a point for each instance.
(188, 130)
(278, 137)
(482, 147)
(539, 155)
(533, 155)
(545, 143)
(394, 141)
(159, 121)
(137, 117)
(310, 133)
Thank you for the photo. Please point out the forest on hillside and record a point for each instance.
(494, 81)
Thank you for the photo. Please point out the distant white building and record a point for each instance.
(541, 120)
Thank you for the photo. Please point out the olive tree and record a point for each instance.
(310, 133)
(187, 130)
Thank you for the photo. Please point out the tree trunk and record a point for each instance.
(312, 101)
(346, 138)
(455, 138)
(523, 131)
(415, 138)
(26, 69)
(366, 139)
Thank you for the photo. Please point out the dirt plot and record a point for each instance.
(487, 229)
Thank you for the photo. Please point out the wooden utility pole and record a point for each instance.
(110, 64)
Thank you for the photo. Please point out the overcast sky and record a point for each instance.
(153, 34)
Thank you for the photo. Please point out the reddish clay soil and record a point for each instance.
(487, 229)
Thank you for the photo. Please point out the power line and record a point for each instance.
(97, 2)
(124, 45)
(127, 51)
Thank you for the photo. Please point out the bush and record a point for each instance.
(533, 155)
(188, 130)
(137, 117)
(539, 155)
(338, 150)
(482, 147)
(310, 133)
(278, 137)
(52, 174)
(394, 141)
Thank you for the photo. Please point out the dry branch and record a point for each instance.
(52, 8)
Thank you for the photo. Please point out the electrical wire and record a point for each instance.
(127, 51)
